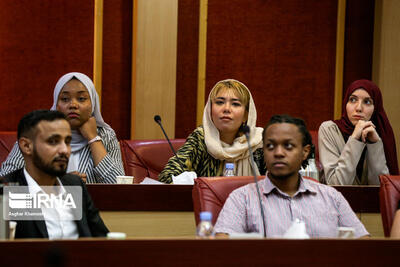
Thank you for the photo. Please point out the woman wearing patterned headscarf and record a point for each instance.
(360, 146)
(95, 152)
(220, 139)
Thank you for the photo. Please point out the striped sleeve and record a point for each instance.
(111, 165)
(14, 161)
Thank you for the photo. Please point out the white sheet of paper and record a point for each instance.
(148, 180)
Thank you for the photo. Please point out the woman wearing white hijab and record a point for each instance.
(95, 152)
(220, 139)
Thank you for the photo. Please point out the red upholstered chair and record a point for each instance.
(389, 196)
(7, 141)
(210, 193)
(146, 158)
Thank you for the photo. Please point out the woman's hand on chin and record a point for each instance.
(360, 127)
(370, 135)
(89, 129)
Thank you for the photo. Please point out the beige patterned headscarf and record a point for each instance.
(237, 152)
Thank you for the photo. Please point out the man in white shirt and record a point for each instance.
(44, 139)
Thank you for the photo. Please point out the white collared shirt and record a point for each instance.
(57, 225)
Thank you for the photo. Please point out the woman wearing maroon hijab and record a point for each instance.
(360, 146)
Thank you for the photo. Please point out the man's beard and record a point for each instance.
(280, 177)
(48, 168)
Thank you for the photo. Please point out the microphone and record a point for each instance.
(246, 131)
(157, 119)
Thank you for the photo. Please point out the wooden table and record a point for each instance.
(167, 210)
(192, 252)
(138, 197)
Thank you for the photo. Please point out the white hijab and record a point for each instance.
(237, 152)
(78, 141)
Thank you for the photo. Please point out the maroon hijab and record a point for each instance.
(379, 119)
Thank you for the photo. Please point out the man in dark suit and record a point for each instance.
(44, 139)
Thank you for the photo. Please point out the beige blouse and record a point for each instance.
(340, 159)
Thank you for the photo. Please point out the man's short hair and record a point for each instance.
(27, 125)
(301, 125)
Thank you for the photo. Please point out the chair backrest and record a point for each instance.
(389, 197)
(210, 193)
(146, 158)
(7, 141)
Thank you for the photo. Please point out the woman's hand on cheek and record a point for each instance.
(89, 129)
(369, 134)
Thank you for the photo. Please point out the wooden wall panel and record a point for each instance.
(359, 36)
(386, 60)
(117, 62)
(284, 51)
(186, 69)
(39, 42)
(155, 67)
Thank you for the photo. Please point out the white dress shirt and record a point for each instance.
(58, 221)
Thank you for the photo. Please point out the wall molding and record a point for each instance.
(340, 39)
(201, 74)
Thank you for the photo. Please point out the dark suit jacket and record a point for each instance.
(90, 225)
